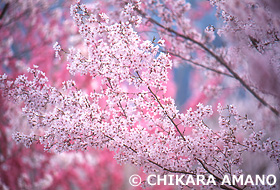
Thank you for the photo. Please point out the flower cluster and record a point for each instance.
(28, 31)
(130, 113)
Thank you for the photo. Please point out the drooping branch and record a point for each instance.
(218, 58)
(4, 10)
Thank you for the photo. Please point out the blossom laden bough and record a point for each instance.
(130, 113)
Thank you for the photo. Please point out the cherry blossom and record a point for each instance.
(130, 112)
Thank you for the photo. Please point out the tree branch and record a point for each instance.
(218, 59)
(4, 10)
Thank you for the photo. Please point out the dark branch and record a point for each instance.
(218, 59)
(4, 10)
